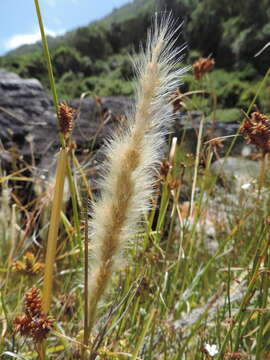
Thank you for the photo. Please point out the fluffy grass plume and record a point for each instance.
(132, 158)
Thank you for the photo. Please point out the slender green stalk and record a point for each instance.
(263, 305)
(143, 334)
(263, 169)
(240, 313)
(199, 142)
(55, 101)
(48, 60)
(74, 203)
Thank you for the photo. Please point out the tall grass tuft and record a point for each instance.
(132, 159)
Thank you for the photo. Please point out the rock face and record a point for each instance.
(24, 107)
(235, 169)
(27, 115)
(28, 122)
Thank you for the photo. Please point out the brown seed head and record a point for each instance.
(22, 325)
(29, 265)
(40, 327)
(165, 167)
(66, 116)
(256, 131)
(202, 67)
(176, 100)
(98, 100)
(216, 143)
(32, 303)
(34, 323)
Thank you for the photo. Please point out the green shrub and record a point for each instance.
(68, 59)
(226, 115)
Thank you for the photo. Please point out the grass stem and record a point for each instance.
(53, 230)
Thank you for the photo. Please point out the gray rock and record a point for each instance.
(210, 309)
(190, 123)
(26, 109)
(236, 168)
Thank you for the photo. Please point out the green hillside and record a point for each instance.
(95, 58)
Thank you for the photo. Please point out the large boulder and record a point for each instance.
(236, 170)
(27, 115)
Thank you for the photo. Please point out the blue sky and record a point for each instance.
(19, 24)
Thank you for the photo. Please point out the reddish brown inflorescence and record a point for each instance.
(202, 67)
(32, 303)
(66, 116)
(176, 100)
(256, 131)
(29, 265)
(34, 323)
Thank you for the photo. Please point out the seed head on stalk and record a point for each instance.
(132, 159)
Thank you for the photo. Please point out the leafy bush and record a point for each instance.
(68, 59)
(226, 115)
(91, 41)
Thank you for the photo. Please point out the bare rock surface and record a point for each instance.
(27, 115)
(28, 122)
(237, 170)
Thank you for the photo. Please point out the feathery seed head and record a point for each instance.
(133, 158)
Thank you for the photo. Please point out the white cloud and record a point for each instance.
(22, 39)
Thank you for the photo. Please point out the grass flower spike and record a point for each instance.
(132, 159)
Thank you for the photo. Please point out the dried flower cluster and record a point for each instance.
(202, 67)
(256, 131)
(165, 167)
(34, 323)
(29, 265)
(216, 143)
(66, 116)
(176, 100)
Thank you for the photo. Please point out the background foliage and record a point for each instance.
(94, 58)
